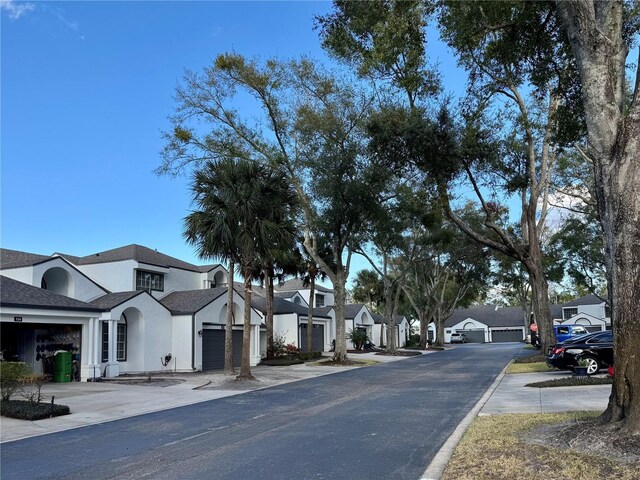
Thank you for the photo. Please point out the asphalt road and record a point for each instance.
(381, 422)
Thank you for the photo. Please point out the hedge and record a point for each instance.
(25, 410)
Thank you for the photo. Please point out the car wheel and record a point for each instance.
(592, 365)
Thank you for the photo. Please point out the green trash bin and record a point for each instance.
(62, 367)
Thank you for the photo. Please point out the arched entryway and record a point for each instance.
(57, 280)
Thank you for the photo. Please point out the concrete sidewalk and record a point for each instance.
(511, 395)
(93, 403)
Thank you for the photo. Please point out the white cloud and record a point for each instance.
(60, 15)
(16, 10)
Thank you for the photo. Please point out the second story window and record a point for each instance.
(149, 281)
(567, 313)
(319, 300)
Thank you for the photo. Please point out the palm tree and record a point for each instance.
(214, 230)
(254, 205)
(309, 272)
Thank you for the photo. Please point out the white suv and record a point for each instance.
(458, 338)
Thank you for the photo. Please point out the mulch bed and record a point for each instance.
(146, 381)
(571, 382)
(400, 354)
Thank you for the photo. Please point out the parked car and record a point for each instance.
(565, 332)
(458, 338)
(595, 348)
(562, 333)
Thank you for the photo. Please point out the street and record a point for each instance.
(384, 421)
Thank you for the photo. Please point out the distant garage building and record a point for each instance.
(487, 324)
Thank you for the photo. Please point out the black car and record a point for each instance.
(595, 348)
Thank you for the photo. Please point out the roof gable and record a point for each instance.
(18, 294)
(191, 301)
(590, 299)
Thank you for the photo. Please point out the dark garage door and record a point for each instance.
(213, 349)
(317, 339)
(506, 335)
(473, 336)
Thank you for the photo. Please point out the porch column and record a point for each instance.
(113, 367)
(255, 344)
(89, 365)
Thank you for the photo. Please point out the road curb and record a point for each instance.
(437, 466)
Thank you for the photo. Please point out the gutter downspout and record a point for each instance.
(193, 342)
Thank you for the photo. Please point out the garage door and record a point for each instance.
(506, 335)
(213, 349)
(473, 336)
(317, 339)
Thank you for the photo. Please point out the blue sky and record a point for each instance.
(86, 88)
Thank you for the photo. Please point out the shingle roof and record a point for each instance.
(282, 306)
(112, 300)
(18, 294)
(16, 258)
(138, 253)
(352, 309)
(297, 284)
(284, 294)
(590, 299)
(487, 314)
(191, 301)
(324, 311)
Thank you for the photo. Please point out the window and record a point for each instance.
(121, 340)
(563, 330)
(567, 313)
(319, 300)
(149, 281)
(607, 311)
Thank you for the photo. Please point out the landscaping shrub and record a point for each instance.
(35, 380)
(25, 410)
(358, 338)
(12, 376)
(281, 362)
(306, 356)
(278, 349)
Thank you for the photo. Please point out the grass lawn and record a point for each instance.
(529, 367)
(493, 448)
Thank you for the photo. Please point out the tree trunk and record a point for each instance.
(424, 330)
(228, 332)
(245, 365)
(268, 283)
(312, 291)
(391, 299)
(339, 290)
(439, 340)
(613, 130)
(541, 307)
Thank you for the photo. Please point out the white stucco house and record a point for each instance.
(380, 327)
(590, 311)
(126, 310)
(323, 296)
